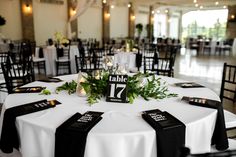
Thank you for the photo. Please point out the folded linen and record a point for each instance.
(219, 137)
(170, 132)
(9, 137)
(70, 138)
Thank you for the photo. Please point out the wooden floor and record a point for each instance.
(206, 70)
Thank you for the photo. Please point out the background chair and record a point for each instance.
(228, 94)
(228, 85)
(17, 74)
(90, 63)
(3, 59)
(39, 60)
(161, 65)
(63, 60)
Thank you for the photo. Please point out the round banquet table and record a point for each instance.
(122, 132)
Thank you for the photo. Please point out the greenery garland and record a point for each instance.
(144, 85)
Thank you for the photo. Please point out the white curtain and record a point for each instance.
(82, 6)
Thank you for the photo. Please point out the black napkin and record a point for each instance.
(51, 79)
(138, 60)
(60, 52)
(188, 85)
(71, 136)
(36, 89)
(219, 137)
(170, 132)
(9, 137)
(41, 55)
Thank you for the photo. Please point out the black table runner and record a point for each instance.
(170, 132)
(9, 137)
(219, 137)
(71, 136)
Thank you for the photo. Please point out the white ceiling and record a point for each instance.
(181, 4)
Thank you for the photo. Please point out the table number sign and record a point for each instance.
(117, 88)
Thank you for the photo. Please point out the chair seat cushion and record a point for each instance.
(230, 120)
(63, 60)
(38, 60)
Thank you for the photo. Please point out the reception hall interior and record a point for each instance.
(117, 78)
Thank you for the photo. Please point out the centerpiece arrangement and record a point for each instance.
(60, 39)
(94, 87)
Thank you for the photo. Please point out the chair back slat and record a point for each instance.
(161, 65)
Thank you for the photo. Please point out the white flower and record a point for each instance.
(60, 38)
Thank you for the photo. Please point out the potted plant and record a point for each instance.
(139, 28)
(2, 21)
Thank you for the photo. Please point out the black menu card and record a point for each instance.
(188, 85)
(51, 79)
(36, 89)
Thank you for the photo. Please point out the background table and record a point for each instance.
(126, 59)
(50, 55)
(122, 132)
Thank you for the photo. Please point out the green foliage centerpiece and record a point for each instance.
(145, 85)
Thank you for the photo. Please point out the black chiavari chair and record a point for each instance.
(17, 74)
(63, 59)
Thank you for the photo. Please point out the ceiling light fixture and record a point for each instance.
(196, 5)
(153, 12)
(194, 1)
(232, 17)
(166, 11)
(112, 6)
(129, 5)
(224, 6)
(133, 17)
(104, 1)
(201, 7)
(158, 11)
(216, 3)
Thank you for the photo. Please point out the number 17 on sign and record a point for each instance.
(117, 88)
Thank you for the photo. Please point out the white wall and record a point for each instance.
(119, 22)
(142, 16)
(90, 24)
(48, 18)
(10, 10)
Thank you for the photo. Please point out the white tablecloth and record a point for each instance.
(122, 132)
(4, 47)
(126, 59)
(50, 57)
